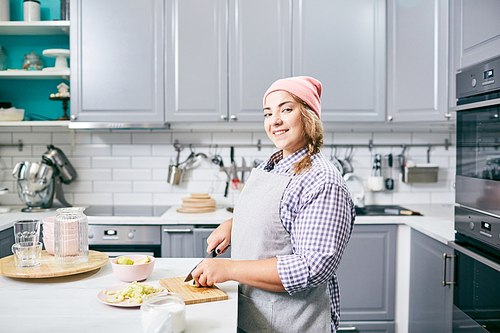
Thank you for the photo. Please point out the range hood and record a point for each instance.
(89, 125)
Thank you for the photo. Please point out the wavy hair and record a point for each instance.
(312, 129)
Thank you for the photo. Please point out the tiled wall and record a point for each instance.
(125, 167)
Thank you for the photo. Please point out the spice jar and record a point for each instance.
(32, 62)
(71, 236)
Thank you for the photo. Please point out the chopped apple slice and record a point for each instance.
(142, 261)
(124, 261)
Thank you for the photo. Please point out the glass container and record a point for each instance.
(164, 313)
(3, 58)
(71, 236)
(32, 62)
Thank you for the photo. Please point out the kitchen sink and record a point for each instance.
(384, 210)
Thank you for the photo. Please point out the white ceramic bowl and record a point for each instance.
(131, 273)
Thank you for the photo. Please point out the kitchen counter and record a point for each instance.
(70, 304)
(436, 222)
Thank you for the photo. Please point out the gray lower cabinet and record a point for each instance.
(177, 241)
(367, 276)
(6, 242)
(117, 61)
(200, 243)
(431, 303)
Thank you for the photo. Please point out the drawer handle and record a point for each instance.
(445, 257)
(350, 328)
(177, 230)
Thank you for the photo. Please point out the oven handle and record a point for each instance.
(447, 256)
(474, 256)
(177, 230)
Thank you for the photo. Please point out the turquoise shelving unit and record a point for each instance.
(31, 90)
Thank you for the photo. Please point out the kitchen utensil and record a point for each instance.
(389, 182)
(376, 181)
(57, 159)
(49, 268)
(193, 295)
(175, 175)
(243, 170)
(336, 162)
(235, 182)
(400, 212)
(212, 254)
(27, 254)
(217, 159)
(162, 309)
(347, 161)
(27, 231)
(71, 218)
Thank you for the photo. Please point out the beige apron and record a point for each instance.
(258, 233)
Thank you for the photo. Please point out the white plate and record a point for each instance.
(128, 303)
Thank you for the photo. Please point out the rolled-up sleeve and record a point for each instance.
(319, 233)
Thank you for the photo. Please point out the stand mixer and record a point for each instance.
(40, 183)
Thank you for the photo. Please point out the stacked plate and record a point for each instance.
(197, 203)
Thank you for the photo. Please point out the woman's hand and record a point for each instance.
(220, 238)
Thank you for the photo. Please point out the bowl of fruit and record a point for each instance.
(133, 267)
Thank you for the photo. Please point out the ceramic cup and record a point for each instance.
(27, 254)
(375, 183)
(164, 312)
(27, 231)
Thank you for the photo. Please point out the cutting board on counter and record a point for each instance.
(193, 295)
(49, 268)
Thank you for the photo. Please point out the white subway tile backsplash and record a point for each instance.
(112, 186)
(131, 167)
(132, 174)
(111, 162)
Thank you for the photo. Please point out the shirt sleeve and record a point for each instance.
(320, 232)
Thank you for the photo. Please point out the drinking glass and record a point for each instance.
(71, 241)
(27, 231)
(27, 254)
(163, 313)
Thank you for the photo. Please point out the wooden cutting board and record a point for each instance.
(193, 295)
(49, 268)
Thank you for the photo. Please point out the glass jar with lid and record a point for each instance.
(71, 236)
(32, 62)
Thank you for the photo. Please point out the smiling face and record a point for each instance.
(283, 122)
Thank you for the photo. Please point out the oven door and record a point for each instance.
(476, 295)
(114, 251)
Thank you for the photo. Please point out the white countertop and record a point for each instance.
(70, 304)
(436, 222)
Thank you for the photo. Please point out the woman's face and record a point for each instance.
(283, 122)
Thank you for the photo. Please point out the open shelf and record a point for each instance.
(22, 74)
(34, 28)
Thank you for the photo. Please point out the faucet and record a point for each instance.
(359, 198)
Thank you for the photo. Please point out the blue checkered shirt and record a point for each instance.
(318, 212)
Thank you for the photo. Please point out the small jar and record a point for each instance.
(71, 236)
(32, 62)
(31, 10)
(166, 311)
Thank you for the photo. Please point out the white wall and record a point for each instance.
(125, 167)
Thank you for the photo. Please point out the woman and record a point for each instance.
(290, 225)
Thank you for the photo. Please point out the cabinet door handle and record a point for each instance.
(445, 257)
(177, 230)
(223, 117)
(233, 117)
(350, 328)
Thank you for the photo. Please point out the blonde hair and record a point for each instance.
(312, 129)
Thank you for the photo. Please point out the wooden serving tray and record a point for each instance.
(193, 295)
(48, 268)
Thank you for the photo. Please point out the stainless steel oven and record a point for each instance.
(120, 239)
(476, 295)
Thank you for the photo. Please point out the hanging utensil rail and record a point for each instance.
(19, 144)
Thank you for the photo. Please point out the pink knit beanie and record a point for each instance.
(304, 87)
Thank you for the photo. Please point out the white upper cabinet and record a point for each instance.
(475, 36)
(117, 61)
(222, 55)
(417, 61)
(259, 53)
(343, 44)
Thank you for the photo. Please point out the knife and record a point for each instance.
(212, 254)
